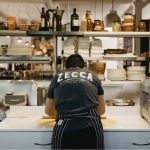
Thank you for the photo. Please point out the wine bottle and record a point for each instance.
(43, 18)
(47, 21)
(74, 21)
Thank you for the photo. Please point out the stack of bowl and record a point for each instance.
(136, 73)
(116, 74)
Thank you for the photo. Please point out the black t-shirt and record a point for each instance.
(75, 90)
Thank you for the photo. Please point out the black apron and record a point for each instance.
(75, 122)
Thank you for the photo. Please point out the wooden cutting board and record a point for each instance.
(49, 123)
(108, 122)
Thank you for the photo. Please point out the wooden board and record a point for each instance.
(49, 123)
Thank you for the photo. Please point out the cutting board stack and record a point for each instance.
(84, 46)
(19, 50)
(69, 46)
(96, 48)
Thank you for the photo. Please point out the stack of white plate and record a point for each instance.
(136, 73)
(116, 74)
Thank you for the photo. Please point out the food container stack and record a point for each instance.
(136, 73)
(23, 24)
(84, 46)
(69, 46)
(116, 74)
(96, 48)
(34, 25)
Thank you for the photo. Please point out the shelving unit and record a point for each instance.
(12, 33)
(10, 59)
(117, 83)
(5, 59)
(95, 34)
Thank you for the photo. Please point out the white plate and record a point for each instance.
(137, 68)
(122, 104)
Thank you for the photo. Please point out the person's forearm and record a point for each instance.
(50, 108)
(51, 114)
(101, 110)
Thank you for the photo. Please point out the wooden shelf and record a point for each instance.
(24, 59)
(69, 33)
(12, 33)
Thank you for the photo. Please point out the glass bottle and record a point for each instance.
(84, 24)
(89, 21)
(74, 21)
(43, 16)
(47, 21)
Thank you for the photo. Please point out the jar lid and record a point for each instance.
(128, 14)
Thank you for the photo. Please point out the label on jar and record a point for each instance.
(97, 28)
(75, 22)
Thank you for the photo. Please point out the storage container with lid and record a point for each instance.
(98, 25)
(128, 23)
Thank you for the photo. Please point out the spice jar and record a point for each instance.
(98, 25)
(141, 26)
(116, 26)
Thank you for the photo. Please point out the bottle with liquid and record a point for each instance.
(74, 21)
(47, 21)
(84, 24)
(43, 18)
(89, 21)
(54, 21)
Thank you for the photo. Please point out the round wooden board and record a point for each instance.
(47, 123)
(50, 123)
(108, 122)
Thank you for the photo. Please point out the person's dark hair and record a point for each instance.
(74, 60)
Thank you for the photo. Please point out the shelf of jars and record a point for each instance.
(24, 59)
(116, 57)
(12, 33)
(119, 58)
(96, 34)
(76, 33)
(117, 34)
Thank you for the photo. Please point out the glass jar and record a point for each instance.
(128, 22)
(98, 25)
(141, 26)
(116, 26)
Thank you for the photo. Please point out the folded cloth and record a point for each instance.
(96, 44)
(96, 48)
(96, 51)
(83, 51)
(83, 45)
(84, 55)
(70, 47)
(84, 39)
(98, 55)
